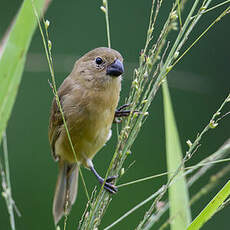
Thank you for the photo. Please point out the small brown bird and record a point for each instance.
(89, 97)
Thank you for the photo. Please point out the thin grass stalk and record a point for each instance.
(192, 149)
(222, 152)
(224, 13)
(180, 35)
(127, 135)
(223, 205)
(194, 21)
(107, 23)
(179, 12)
(134, 208)
(216, 6)
(165, 70)
(205, 190)
(6, 184)
(105, 10)
(188, 170)
(54, 87)
(102, 194)
(207, 163)
(214, 181)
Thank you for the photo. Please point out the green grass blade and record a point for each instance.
(178, 191)
(211, 208)
(13, 58)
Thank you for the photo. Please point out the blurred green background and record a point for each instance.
(198, 85)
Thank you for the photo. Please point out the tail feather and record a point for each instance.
(66, 190)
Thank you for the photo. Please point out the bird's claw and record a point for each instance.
(109, 186)
(123, 107)
(120, 112)
(111, 179)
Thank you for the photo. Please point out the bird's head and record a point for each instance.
(99, 66)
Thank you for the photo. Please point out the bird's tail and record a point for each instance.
(66, 190)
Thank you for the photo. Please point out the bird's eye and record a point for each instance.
(98, 61)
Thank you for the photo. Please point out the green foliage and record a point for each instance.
(211, 208)
(156, 61)
(178, 191)
(13, 59)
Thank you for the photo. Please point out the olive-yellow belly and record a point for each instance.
(89, 127)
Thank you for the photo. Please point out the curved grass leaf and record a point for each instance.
(13, 58)
(178, 192)
(211, 208)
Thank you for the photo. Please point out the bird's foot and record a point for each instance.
(121, 112)
(108, 185)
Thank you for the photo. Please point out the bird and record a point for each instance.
(88, 96)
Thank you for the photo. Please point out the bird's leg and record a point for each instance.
(108, 186)
(120, 112)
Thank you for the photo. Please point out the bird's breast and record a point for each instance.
(91, 121)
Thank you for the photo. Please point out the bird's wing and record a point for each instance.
(56, 120)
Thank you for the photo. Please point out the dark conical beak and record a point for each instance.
(115, 69)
